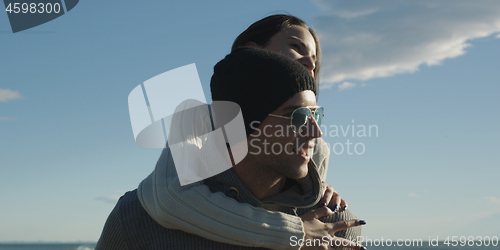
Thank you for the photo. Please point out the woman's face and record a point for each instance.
(297, 43)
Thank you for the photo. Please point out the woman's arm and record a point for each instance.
(195, 209)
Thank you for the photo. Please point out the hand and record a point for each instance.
(325, 232)
(332, 199)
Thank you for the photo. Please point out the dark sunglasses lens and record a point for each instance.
(299, 118)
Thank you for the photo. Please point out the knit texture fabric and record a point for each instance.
(258, 80)
(129, 226)
(212, 215)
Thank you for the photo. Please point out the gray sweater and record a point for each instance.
(130, 227)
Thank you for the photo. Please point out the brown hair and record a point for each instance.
(261, 32)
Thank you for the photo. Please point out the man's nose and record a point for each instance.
(312, 129)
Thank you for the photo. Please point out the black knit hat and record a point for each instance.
(258, 80)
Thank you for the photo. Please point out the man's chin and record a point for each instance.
(301, 172)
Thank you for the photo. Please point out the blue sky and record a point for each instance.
(424, 73)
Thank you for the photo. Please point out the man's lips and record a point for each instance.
(302, 152)
(305, 150)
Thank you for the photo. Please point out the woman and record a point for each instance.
(290, 36)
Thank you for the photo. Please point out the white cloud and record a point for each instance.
(109, 198)
(346, 86)
(4, 118)
(492, 200)
(362, 40)
(7, 95)
(354, 14)
(498, 36)
(413, 195)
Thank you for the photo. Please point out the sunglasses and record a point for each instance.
(301, 116)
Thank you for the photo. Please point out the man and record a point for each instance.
(277, 97)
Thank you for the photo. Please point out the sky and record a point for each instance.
(417, 81)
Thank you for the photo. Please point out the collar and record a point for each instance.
(304, 192)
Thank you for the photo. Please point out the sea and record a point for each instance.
(47, 246)
(91, 246)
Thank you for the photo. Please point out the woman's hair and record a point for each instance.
(261, 32)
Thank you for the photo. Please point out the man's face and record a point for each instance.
(275, 145)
